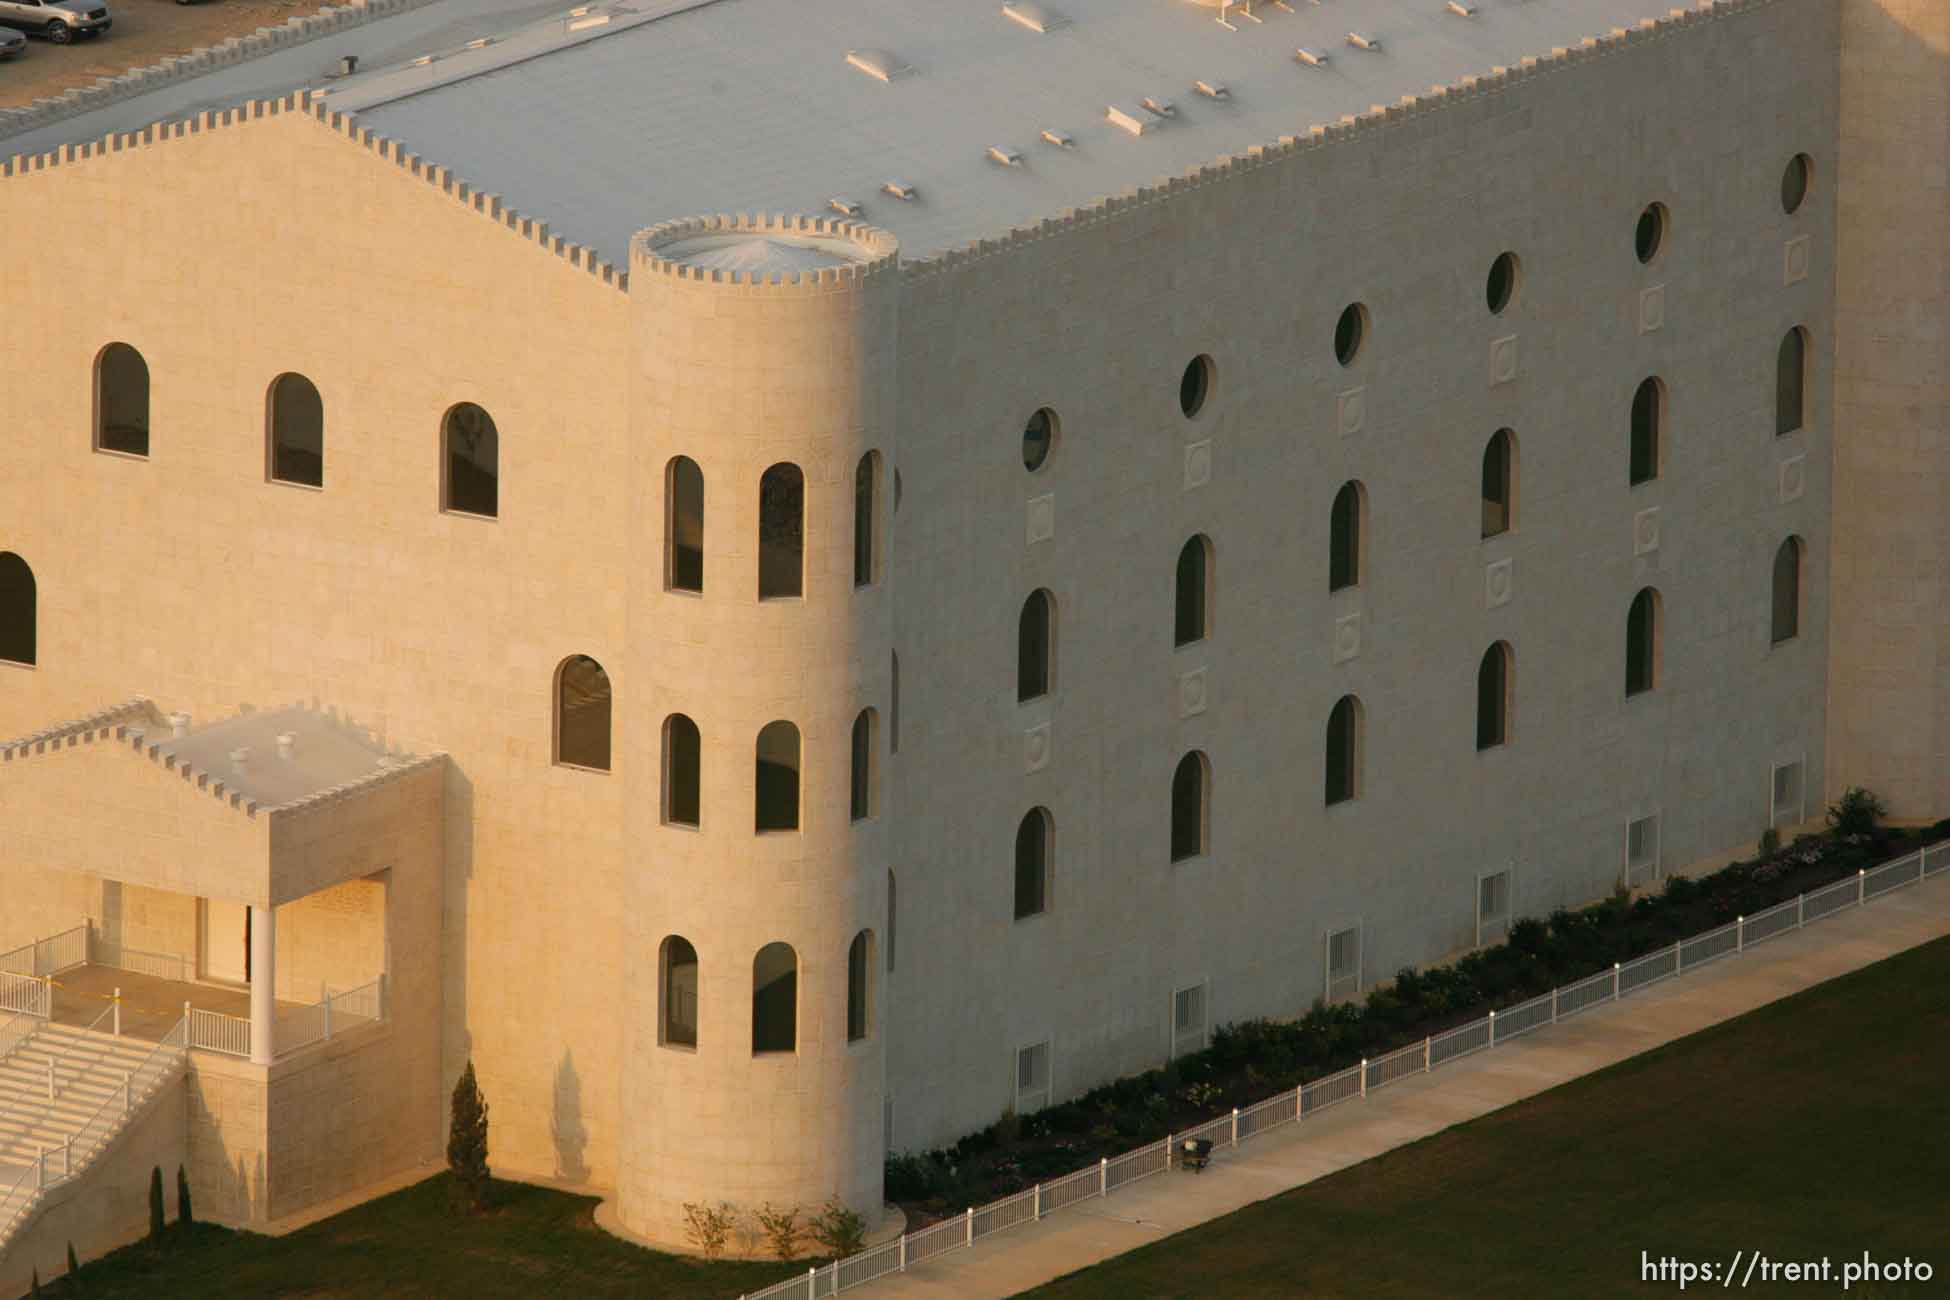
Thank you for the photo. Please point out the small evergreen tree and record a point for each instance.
(467, 1144)
(155, 1204)
(34, 1289)
(184, 1215)
(74, 1265)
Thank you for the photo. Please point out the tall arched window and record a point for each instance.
(1648, 431)
(17, 610)
(1791, 382)
(1191, 807)
(121, 401)
(859, 986)
(582, 713)
(1344, 537)
(865, 794)
(1344, 750)
(1787, 591)
(781, 532)
(1036, 646)
(683, 771)
(677, 1005)
(866, 520)
(775, 999)
(683, 525)
(471, 462)
(1500, 483)
(1493, 691)
(778, 777)
(1035, 837)
(1192, 620)
(295, 431)
(1642, 642)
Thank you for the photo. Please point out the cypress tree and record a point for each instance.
(74, 1265)
(184, 1215)
(467, 1144)
(155, 1204)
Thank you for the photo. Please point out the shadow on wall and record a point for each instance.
(565, 1123)
(459, 1044)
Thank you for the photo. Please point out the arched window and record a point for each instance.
(1642, 643)
(582, 709)
(1193, 617)
(859, 986)
(1344, 750)
(1344, 537)
(471, 457)
(866, 521)
(1035, 837)
(683, 771)
(1648, 420)
(1195, 385)
(121, 401)
(778, 777)
(17, 609)
(683, 525)
(1500, 483)
(892, 912)
(865, 798)
(1350, 332)
(677, 1005)
(781, 532)
(1787, 591)
(1795, 180)
(1791, 382)
(1191, 807)
(775, 999)
(295, 428)
(1493, 690)
(1036, 645)
(1038, 439)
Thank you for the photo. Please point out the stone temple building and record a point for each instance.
(786, 576)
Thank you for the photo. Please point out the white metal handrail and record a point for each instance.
(25, 993)
(212, 1031)
(1492, 1030)
(332, 1014)
(15, 1030)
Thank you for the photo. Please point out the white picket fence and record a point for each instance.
(1357, 1081)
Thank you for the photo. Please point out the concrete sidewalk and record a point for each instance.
(1354, 1131)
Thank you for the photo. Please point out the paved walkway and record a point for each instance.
(1347, 1134)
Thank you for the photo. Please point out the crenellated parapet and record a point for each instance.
(83, 730)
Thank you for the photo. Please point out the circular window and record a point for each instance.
(1350, 332)
(1502, 287)
(1794, 182)
(1038, 436)
(1651, 233)
(1195, 385)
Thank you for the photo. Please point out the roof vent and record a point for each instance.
(1461, 9)
(1159, 107)
(287, 745)
(1061, 139)
(240, 756)
(423, 61)
(881, 65)
(480, 43)
(1034, 16)
(1360, 42)
(850, 207)
(1003, 154)
(1125, 119)
(586, 19)
(1312, 58)
(905, 191)
(1213, 89)
(179, 725)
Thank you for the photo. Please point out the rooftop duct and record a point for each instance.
(1034, 16)
(881, 65)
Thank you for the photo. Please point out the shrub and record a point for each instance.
(839, 1231)
(709, 1227)
(781, 1229)
(1681, 890)
(467, 1144)
(909, 1177)
(1857, 812)
(1526, 936)
(155, 1204)
(74, 1265)
(184, 1215)
(1770, 842)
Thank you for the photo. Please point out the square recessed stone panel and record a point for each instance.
(1347, 637)
(1794, 478)
(1645, 531)
(1198, 464)
(1499, 581)
(1503, 360)
(1794, 259)
(1035, 748)
(1191, 693)
(1042, 518)
(1652, 308)
(1353, 410)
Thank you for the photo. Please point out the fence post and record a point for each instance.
(1614, 981)
(812, 1282)
(1426, 1042)
(1299, 1102)
(1364, 1077)
(1235, 1126)
(1740, 934)
(971, 1225)
(1861, 880)
(1170, 1142)
(47, 997)
(1039, 1202)
(118, 1012)
(903, 1252)
(1492, 1029)
(1103, 1176)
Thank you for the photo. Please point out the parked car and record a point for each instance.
(12, 43)
(58, 20)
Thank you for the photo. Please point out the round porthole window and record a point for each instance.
(1650, 236)
(1350, 332)
(1195, 385)
(1038, 438)
(1502, 287)
(1795, 181)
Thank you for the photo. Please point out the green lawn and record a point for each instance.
(1817, 1125)
(533, 1243)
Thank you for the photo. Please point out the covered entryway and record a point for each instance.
(224, 940)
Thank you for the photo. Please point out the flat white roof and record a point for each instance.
(650, 110)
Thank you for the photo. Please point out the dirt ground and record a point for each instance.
(145, 31)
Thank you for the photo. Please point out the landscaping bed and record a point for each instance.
(1251, 1060)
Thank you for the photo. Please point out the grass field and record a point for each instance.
(1818, 1125)
(534, 1243)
